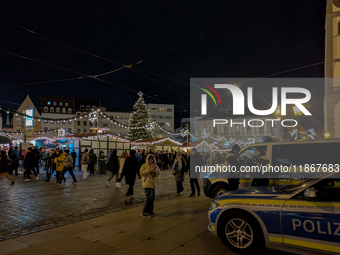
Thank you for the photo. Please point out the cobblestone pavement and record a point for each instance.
(28, 207)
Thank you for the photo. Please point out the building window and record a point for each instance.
(226, 130)
(63, 110)
(52, 109)
(248, 130)
(237, 130)
(169, 109)
(66, 104)
(78, 123)
(84, 123)
(57, 109)
(161, 109)
(78, 131)
(90, 123)
(60, 103)
(49, 103)
(261, 130)
(169, 117)
(45, 109)
(69, 130)
(154, 109)
(161, 116)
(85, 131)
(88, 107)
(69, 110)
(55, 103)
(45, 129)
(94, 107)
(168, 124)
(82, 107)
(18, 129)
(215, 130)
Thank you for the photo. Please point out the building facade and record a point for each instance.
(332, 69)
(164, 115)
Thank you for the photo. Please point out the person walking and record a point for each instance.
(50, 166)
(30, 163)
(5, 164)
(92, 161)
(74, 156)
(121, 165)
(232, 160)
(68, 166)
(197, 160)
(150, 175)
(113, 167)
(60, 166)
(13, 155)
(130, 170)
(179, 171)
(37, 157)
(85, 160)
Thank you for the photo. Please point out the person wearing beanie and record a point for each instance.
(232, 160)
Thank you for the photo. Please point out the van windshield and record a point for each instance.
(291, 189)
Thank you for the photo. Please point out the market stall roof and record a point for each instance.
(5, 140)
(156, 141)
(87, 136)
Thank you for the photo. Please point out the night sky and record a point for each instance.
(56, 40)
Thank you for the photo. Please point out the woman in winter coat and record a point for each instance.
(85, 162)
(4, 166)
(150, 173)
(179, 170)
(59, 159)
(130, 170)
(92, 162)
(113, 167)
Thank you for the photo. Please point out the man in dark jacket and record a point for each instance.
(197, 160)
(130, 170)
(74, 155)
(4, 166)
(30, 163)
(37, 156)
(93, 161)
(113, 167)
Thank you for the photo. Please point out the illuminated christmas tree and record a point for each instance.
(140, 122)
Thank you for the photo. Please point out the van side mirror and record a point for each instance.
(310, 193)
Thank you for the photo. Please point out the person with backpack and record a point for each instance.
(4, 166)
(113, 167)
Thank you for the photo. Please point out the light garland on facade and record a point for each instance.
(55, 139)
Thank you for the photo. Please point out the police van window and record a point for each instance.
(247, 156)
(297, 154)
(331, 153)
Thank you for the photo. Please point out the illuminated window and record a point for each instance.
(60, 103)
(66, 104)
(57, 109)
(54, 103)
(69, 110)
(63, 110)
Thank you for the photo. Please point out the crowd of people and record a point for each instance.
(144, 165)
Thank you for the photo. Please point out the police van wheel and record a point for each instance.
(219, 190)
(241, 233)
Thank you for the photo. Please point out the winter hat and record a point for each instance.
(236, 147)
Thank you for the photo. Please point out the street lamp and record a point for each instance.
(297, 113)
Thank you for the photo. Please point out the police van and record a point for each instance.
(284, 153)
(302, 218)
